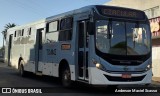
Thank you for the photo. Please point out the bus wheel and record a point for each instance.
(21, 70)
(66, 77)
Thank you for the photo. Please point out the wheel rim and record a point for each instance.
(66, 78)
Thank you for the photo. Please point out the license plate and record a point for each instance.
(126, 75)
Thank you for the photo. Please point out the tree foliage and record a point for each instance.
(1, 49)
(6, 27)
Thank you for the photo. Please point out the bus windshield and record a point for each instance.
(122, 37)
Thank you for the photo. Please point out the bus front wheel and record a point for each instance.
(66, 77)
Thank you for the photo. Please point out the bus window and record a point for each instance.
(65, 33)
(18, 33)
(102, 35)
(52, 37)
(29, 31)
(15, 34)
(118, 40)
(53, 26)
(22, 32)
(52, 32)
(131, 32)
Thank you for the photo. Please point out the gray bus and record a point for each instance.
(98, 45)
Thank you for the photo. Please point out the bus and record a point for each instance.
(96, 44)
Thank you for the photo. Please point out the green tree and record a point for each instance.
(2, 48)
(4, 33)
(6, 27)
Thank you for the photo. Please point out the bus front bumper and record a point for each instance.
(99, 77)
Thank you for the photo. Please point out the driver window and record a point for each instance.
(102, 38)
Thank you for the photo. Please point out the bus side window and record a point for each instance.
(18, 33)
(15, 34)
(52, 31)
(29, 31)
(52, 26)
(22, 32)
(66, 26)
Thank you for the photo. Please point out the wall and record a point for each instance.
(136, 4)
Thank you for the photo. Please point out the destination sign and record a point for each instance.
(121, 12)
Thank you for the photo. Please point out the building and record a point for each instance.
(152, 10)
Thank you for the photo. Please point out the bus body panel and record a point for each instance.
(24, 46)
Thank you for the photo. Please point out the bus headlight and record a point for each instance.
(100, 66)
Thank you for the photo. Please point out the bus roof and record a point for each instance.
(25, 25)
(76, 11)
(86, 8)
(69, 13)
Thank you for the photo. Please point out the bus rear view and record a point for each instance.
(122, 47)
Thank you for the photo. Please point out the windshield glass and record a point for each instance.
(122, 38)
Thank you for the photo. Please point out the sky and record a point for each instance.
(26, 11)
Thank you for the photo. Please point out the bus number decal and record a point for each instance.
(51, 51)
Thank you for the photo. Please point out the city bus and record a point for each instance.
(96, 44)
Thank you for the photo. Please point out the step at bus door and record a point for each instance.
(82, 50)
(38, 50)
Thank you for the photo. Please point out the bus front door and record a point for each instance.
(83, 51)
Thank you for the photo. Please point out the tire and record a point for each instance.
(66, 78)
(21, 69)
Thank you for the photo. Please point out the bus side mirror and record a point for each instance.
(91, 28)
